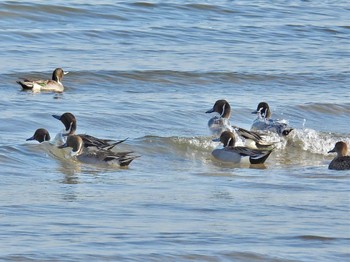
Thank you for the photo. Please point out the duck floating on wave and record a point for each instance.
(265, 123)
(40, 135)
(53, 84)
(342, 160)
(234, 154)
(70, 123)
(98, 156)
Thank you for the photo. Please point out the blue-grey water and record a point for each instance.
(148, 71)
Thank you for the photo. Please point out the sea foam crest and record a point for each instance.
(314, 141)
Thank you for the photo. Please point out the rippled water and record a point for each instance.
(148, 71)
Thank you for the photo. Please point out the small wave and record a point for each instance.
(318, 238)
(178, 143)
(144, 4)
(163, 256)
(302, 147)
(40, 12)
(181, 6)
(191, 77)
(195, 142)
(209, 7)
(32, 8)
(299, 141)
(327, 108)
(315, 142)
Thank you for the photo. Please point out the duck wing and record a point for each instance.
(50, 85)
(91, 141)
(122, 158)
(256, 156)
(256, 137)
(29, 84)
(248, 134)
(245, 151)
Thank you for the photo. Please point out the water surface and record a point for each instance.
(148, 70)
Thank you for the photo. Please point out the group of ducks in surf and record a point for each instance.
(84, 148)
(255, 146)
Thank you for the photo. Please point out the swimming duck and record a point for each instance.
(219, 124)
(70, 123)
(54, 84)
(99, 156)
(234, 154)
(40, 135)
(342, 160)
(265, 123)
(43, 137)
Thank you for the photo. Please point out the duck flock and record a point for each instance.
(254, 144)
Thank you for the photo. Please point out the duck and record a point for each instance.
(43, 137)
(221, 123)
(40, 135)
(99, 156)
(53, 84)
(265, 123)
(70, 123)
(234, 154)
(342, 160)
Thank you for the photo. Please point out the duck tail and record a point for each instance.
(116, 143)
(124, 162)
(24, 85)
(260, 159)
(111, 146)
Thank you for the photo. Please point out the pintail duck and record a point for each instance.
(234, 154)
(43, 137)
(70, 123)
(265, 123)
(40, 135)
(53, 84)
(99, 156)
(342, 160)
(219, 124)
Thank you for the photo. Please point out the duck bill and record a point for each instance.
(255, 112)
(216, 139)
(332, 151)
(31, 138)
(57, 117)
(210, 111)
